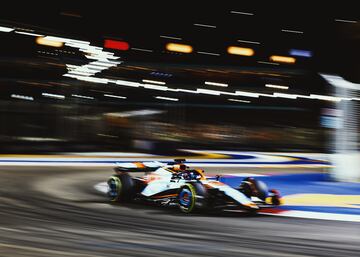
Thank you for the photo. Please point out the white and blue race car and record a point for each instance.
(177, 184)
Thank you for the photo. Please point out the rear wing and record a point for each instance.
(138, 166)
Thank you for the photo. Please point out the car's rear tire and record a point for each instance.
(192, 198)
(121, 188)
(275, 198)
(252, 187)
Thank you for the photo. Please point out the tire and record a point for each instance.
(252, 187)
(192, 198)
(276, 198)
(121, 188)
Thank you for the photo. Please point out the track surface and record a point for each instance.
(56, 212)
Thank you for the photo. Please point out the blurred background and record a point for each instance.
(156, 77)
(268, 89)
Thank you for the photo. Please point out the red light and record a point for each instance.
(118, 45)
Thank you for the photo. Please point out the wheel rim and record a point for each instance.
(187, 199)
(114, 184)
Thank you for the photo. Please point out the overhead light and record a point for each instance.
(249, 42)
(115, 44)
(142, 49)
(153, 82)
(168, 37)
(269, 63)
(86, 78)
(346, 21)
(28, 34)
(276, 86)
(47, 42)
(23, 97)
(53, 95)
(301, 53)
(127, 83)
(205, 25)
(185, 91)
(282, 95)
(73, 42)
(5, 29)
(326, 98)
(292, 31)
(155, 87)
(133, 113)
(247, 94)
(242, 13)
(240, 51)
(208, 91)
(208, 53)
(181, 48)
(238, 100)
(83, 96)
(284, 59)
(115, 96)
(166, 98)
(216, 84)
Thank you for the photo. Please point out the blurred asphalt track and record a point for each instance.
(55, 211)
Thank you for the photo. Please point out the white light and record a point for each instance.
(207, 53)
(205, 25)
(238, 100)
(53, 95)
(208, 91)
(271, 63)
(5, 29)
(168, 37)
(326, 98)
(242, 13)
(250, 42)
(141, 49)
(166, 98)
(292, 31)
(115, 96)
(81, 73)
(247, 94)
(155, 87)
(83, 96)
(29, 34)
(184, 90)
(347, 21)
(276, 86)
(134, 113)
(89, 79)
(288, 96)
(153, 82)
(127, 83)
(216, 84)
(67, 40)
(23, 97)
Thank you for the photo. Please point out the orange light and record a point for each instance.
(181, 48)
(240, 51)
(47, 42)
(285, 59)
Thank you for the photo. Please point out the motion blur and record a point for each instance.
(247, 91)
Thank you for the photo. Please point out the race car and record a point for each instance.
(176, 184)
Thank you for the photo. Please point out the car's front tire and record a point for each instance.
(192, 198)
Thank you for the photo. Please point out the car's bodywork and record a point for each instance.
(177, 184)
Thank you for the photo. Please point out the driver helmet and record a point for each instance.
(179, 167)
